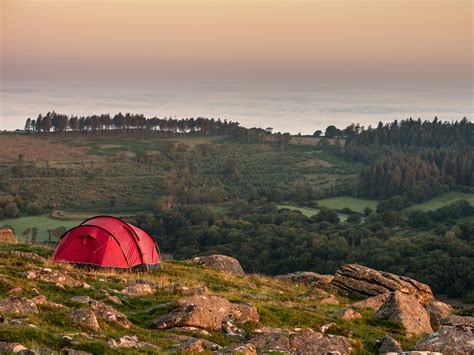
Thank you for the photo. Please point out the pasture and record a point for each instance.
(442, 200)
(355, 204)
(308, 212)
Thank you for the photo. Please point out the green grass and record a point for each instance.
(308, 212)
(355, 204)
(43, 222)
(442, 200)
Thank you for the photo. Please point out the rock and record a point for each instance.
(270, 340)
(206, 312)
(389, 345)
(139, 288)
(27, 255)
(129, 342)
(448, 340)
(232, 330)
(331, 299)
(348, 314)
(11, 347)
(15, 291)
(310, 342)
(371, 302)
(110, 314)
(195, 330)
(244, 349)
(307, 278)
(59, 277)
(361, 280)
(438, 311)
(407, 310)
(219, 262)
(41, 300)
(114, 299)
(459, 321)
(325, 327)
(81, 299)
(84, 317)
(190, 344)
(243, 312)
(18, 305)
(186, 291)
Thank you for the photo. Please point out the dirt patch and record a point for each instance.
(36, 149)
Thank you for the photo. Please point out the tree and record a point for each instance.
(34, 235)
(367, 211)
(326, 215)
(318, 133)
(354, 218)
(332, 132)
(11, 210)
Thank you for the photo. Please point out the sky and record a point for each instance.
(181, 55)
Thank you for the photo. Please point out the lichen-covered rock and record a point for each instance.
(110, 314)
(194, 345)
(139, 288)
(206, 312)
(438, 311)
(348, 314)
(361, 280)
(130, 342)
(329, 299)
(448, 340)
(85, 317)
(310, 342)
(244, 349)
(6, 347)
(371, 302)
(406, 310)
(220, 262)
(459, 321)
(307, 278)
(42, 300)
(18, 305)
(243, 312)
(389, 345)
(271, 340)
(59, 277)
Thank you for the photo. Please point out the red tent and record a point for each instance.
(106, 241)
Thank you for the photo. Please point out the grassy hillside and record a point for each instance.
(279, 304)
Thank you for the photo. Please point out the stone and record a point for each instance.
(130, 342)
(307, 278)
(348, 314)
(59, 277)
(325, 327)
(232, 330)
(271, 340)
(310, 342)
(42, 300)
(18, 305)
(330, 299)
(11, 347)
(15, 291)
(459, 321)
(74, 352)
(389, 345)
(186, 291)
(113, 299)
(219, 262)
(81, 299)
(86, 318)
(448, 340)
(110, 314)
(244, 349)
(438, 311)
(372, 302)
(189, 344)
(206, 312)
(406, 309)
(27, 255)
(360, 280)
(139, 288)
(243, 312)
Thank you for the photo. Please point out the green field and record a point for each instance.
(442, 200)
(45, 221)
(308, 212)
(355, 204)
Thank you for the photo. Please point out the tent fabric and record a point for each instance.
(106, 241)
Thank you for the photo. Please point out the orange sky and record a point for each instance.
(145, 39)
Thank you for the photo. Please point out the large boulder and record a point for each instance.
(18, 305)
(438, 312)
(200, 311)
(448, 340)
(307, 278)
(104, 311)
(243, 312)
(85, 318)
(372, 302)
(389, 345)
(271, 340)
(407, 310)
(364, 281)
(220, 262)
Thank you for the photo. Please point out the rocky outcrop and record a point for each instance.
(206, 312)
(361, 280)
(104, 311)
(18, 305)
(448, 340)
(85, 318)
(139, 288)
(298, 342)
(349, 315)
(307, 278)
(220, 262)
(243, 312)
(406, 310)
(59, 277)
(438, 311)
(43, 301)
(389, 345)
(372, 302)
